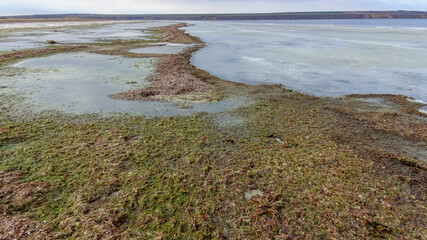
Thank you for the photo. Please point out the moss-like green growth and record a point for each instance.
(321, 167)
(186, 177)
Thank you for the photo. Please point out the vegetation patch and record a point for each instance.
(174, 81)
(8, 57)
(293, 166)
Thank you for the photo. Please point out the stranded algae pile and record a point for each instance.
(287, 166)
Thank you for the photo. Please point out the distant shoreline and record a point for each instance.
(243, 16)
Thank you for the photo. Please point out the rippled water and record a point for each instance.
(324, 57)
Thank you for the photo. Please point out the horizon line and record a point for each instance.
(236, 13)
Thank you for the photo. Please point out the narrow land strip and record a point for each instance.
(343, 168)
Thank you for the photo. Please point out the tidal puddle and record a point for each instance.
(376, 102)
(80, 82)
(169, 48)
(14, 45)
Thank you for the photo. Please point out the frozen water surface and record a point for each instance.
(37, 34)
(80, 82)
(324, 57)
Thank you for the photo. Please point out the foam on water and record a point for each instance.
(417, 101)
(324, 58)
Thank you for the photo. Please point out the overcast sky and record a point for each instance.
(15, 7)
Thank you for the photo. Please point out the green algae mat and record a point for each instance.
(285, 166)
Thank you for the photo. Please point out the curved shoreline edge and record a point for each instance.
(288, 165)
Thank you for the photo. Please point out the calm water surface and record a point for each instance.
(324, 58)
(80, 83)
(319, 57)
(34, 35)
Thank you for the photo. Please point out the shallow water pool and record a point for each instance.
(80, 83)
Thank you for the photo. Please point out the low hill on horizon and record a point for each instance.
(241, 16)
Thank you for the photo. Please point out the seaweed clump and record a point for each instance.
(175, 81)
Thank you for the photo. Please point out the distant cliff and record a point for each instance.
(246, 16)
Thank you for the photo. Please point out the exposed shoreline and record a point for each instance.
(350, 167)
(179, 82)
(173, 78)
